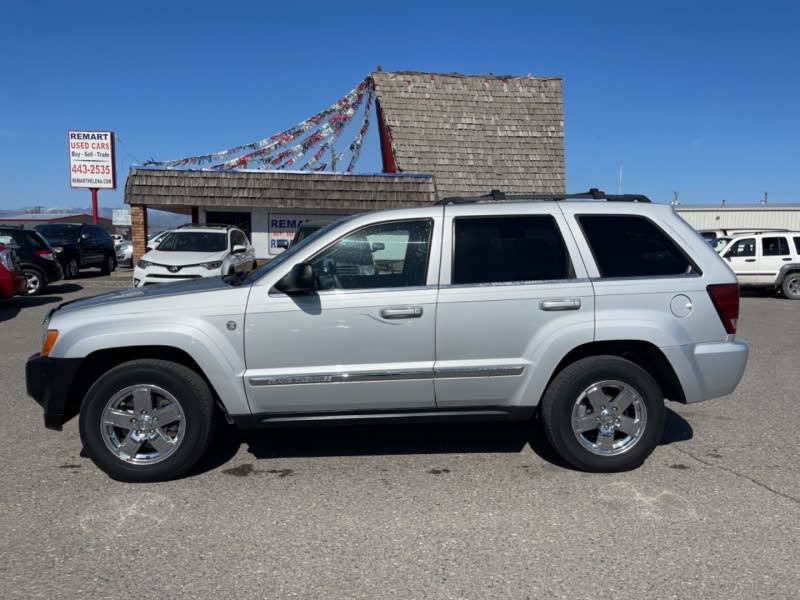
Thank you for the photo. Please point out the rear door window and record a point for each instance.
(633, 246)
(774, 246)
(509, 249)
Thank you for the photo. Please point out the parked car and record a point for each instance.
(12, 280)
(79, 246)
(154, 240)
(588, 314)
(768, 260)
(125, 254)
(718, 244)
(35, 256)
(196, 251)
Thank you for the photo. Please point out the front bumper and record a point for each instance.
(48, 381)
(155, 274)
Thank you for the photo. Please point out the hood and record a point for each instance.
(182, 258)
(135, 294)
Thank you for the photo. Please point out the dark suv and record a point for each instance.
(36, 258)
(80, 245)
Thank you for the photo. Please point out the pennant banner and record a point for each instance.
(329, 124)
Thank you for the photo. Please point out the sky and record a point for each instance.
(696, 98)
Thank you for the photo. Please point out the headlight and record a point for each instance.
(212, 265)
(143, 264)
(59, 248)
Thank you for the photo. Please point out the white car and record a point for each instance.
(154, 240)
(194, 252)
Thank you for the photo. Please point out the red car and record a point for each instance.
(12, 281)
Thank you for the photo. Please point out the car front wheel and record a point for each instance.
(147, 420)
(603, 414)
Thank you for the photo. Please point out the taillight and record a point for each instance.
(725, 297)
(46, 254)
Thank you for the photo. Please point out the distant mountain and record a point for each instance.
(157, 220)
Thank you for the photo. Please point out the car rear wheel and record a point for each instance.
(603, 414)
(147, 420)
(71, 268)
(108, 265)
(791, 286)
(35, 281)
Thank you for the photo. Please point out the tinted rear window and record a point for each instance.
(509, 249)
(632, 246)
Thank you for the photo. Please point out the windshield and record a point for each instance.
(288, 254)
(194, 241)
(58, 231)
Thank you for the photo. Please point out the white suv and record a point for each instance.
(194, 252)
(769, 260)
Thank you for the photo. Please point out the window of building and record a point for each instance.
(632, 246)
(509, 249)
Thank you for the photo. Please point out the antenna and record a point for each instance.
(619, 179)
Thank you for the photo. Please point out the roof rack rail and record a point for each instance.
(499, 196)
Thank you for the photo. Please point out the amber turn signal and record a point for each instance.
(49, 341)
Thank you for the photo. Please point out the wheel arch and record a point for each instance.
(644, 354)
(99, 362)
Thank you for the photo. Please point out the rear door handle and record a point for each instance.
(401, 312)
(787, 259)
(560, 304)
(749, 260)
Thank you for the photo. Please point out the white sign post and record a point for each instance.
(91, 162)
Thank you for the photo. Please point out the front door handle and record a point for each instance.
(560, 304)
(749, 260)
(401, 312)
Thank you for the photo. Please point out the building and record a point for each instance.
(30, 220)
(440, 135)
(742, 216)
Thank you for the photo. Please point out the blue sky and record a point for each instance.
(699, 97)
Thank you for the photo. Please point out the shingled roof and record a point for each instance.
(476, 133)
(277, 189)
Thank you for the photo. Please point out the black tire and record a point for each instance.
(108, 265)
(36, 281)
(71, 268)
(119, 420)
(790, 287)
(603, 414)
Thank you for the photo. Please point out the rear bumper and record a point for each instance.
(709, 370)
(48, 381)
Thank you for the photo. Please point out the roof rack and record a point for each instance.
(498, 196)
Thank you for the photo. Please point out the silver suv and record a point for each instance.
(768, 260)
(586, 311)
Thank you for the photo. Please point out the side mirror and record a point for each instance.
(297, 281)
(84, 236)
(239, 249)
(282, 244)
(378, 246)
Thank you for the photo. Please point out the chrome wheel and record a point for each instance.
(33, 283)
(609, 417)
(143, 424)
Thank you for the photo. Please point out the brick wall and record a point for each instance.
(138, 230)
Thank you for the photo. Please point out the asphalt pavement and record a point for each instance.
(467, 511)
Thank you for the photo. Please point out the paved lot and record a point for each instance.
(413, 512)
